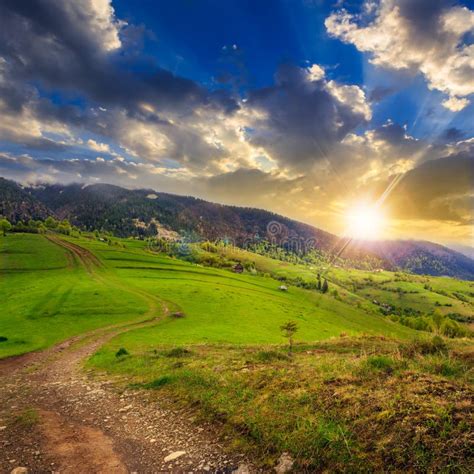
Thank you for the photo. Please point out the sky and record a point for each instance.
(308, 108)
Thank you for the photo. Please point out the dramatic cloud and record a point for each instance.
(80, 102)
(440, 189)
(427, 36)
(74, 46)
(299, 120)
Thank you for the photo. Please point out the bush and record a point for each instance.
(178, 352)
(3, 338)
(424, 347)
(209, 247)
(451, 328)
(121, 352)
(447, 367)
(418, 323)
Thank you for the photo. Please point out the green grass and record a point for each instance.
(223, 307)
(47, 298)
(354, 373)
(347, 404)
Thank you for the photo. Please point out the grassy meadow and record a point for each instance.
(361, 391)
(47, 296)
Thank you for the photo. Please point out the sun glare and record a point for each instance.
(365, 221)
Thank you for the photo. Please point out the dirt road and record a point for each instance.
(55, 417)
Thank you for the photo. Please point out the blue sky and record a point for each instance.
(196, 39)
(274, 103)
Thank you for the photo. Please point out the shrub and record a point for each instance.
(451, 328)
(209, 247)
(447, 367)
(3, 338)
(121, 352)
(424, 347)
(178, 352)
(417, 323)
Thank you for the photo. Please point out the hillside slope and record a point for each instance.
(141, 212)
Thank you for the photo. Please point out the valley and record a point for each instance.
(196, 337)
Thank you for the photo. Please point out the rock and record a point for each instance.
(3, 428)
(19, 470)
(242, 469)
(175, 455)
(285, 463)
(124, 409)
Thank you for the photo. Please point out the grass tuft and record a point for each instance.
(178, 352)
(380, 363)
(122, 352)
(157, 383)
(27, 418)
(270, 356)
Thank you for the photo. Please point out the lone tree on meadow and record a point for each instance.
(325, 286)
(289, 329)
(5, 226)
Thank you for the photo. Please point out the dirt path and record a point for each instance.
(79, 254)
(54, 417)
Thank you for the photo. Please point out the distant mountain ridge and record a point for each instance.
(141, 212)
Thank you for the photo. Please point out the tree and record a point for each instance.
(5, 226)
(64, 227)
(289, 329)
(319, 282)
(438, 319)
(51, 223)
(325, 286)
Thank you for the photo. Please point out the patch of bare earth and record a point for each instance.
(55, 418)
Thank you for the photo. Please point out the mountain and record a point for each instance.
(17, 204)
(464, 249)
(145, 212)
(424, 258)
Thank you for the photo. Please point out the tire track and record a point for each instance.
(85, 425)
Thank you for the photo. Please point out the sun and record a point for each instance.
(365, 221)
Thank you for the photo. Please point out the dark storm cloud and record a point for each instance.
(438, 189)
(452, 134)
(303, 119)
(59, 44)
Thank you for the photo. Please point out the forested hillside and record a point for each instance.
(146, 213)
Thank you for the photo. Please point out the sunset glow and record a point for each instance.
(365, 221)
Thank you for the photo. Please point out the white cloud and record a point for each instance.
(316, 72)
(100, 17)
(96, 146)
(454, 104)
(432, 43)
(352, 96)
